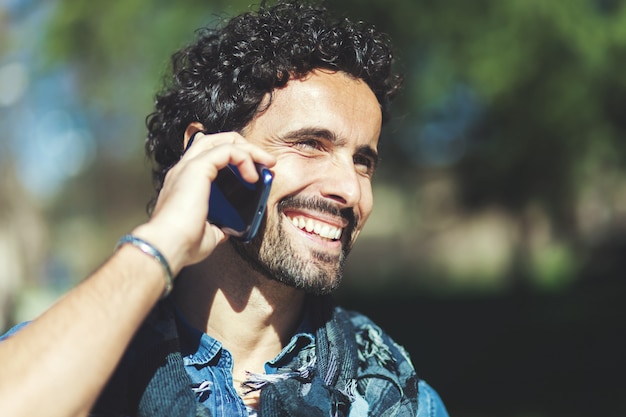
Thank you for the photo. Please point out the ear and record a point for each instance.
(191, 130)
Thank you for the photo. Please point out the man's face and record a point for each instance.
(324, 131)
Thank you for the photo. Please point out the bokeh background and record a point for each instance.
(496, 252)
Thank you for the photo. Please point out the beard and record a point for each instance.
(273, 253)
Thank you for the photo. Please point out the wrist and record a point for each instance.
(165, 243)
(150, 250)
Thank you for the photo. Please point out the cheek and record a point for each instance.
(367, 200)
(288, 178)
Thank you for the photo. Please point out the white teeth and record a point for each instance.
(322, 229)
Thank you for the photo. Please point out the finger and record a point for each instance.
(213, 237)
(191, 139)
(205, 142)
(244, 156)
(200, 141)
(216, 236)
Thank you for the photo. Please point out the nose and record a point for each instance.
(341, 182)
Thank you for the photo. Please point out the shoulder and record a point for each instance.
(371, 337)
(373, 340)
(429, 402)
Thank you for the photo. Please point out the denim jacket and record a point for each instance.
(379, 349)
(208, 367)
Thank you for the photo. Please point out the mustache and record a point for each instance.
(321, 205)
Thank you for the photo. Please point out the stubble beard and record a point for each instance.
(273, 253)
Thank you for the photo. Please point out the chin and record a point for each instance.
(314, 272)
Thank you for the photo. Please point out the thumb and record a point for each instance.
(213, 236)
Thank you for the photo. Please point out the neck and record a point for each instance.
(251, 315)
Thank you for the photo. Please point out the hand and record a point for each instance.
(178, 227)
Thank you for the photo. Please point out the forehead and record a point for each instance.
(328, 100)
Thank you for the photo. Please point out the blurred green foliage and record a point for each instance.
(548, 76)
(514, 106)
(543, 81)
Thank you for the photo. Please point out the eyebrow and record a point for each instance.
(330, 136)
(317, 132)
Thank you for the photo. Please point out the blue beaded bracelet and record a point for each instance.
(150, 250)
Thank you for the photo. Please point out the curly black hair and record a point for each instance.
(221, 79)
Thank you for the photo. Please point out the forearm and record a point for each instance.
(62, 360)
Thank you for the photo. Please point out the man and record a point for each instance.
(249, 327)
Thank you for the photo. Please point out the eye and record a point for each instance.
(364, 164)
(309, 144)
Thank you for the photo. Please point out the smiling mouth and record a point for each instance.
(316, 227)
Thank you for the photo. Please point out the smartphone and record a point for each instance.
(237, 206)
